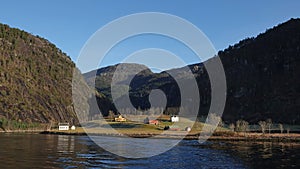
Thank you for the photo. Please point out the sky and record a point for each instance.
(70, 23)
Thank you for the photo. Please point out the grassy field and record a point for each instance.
(130, 127)
(177, 130)
(141, 130)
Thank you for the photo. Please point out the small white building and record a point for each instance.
(73, 127)
(63, 126)
(174, 119)
(188, 129)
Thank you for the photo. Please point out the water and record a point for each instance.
(58, 151)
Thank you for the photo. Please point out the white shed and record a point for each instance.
(63, 126)
(174, 119)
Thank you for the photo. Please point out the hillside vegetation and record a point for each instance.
(35, 79)
(262, 76)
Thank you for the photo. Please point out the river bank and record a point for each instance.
(217, 136)
(23, 131)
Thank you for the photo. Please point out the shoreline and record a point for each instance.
(251, 137)
(22, 131)
(217, 136)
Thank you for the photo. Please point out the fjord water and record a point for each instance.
(60, 151)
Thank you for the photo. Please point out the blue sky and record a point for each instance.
(69, 23)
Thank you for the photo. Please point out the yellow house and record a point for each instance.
(120, 119)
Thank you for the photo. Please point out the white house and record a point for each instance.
(63, 126)
(174, 119)
(188, 129)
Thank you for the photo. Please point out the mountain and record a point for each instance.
(35, 79)
(262, 76)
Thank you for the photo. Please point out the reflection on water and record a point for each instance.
(57, 151)
(263, 154)
(135, 147)
(65, 144)
(267, 150)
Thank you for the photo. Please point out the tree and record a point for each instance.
(50, 125)
(214, 119)
(281, 128)
(263, 126)
(221, 123)
(231, 127)
(288, 130)
(111, 115)
(238, 126)
(245, 126)
(242, 126)
(269, 125)
(146, 120)
(151, 111)
(1, 125)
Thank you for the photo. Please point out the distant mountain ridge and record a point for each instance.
(262, 76)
